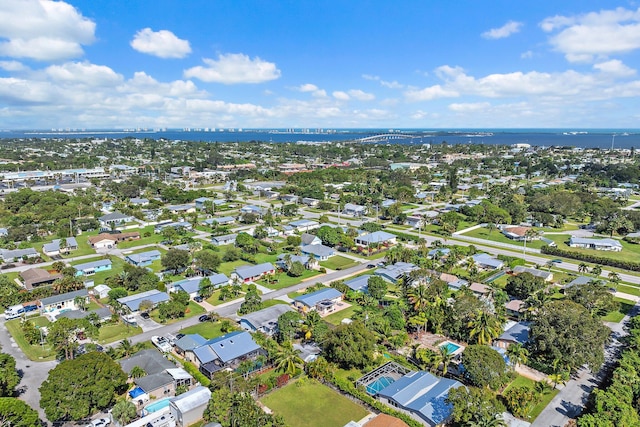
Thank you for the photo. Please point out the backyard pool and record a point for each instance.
(156, 406)
(379, 384)
(451, 347)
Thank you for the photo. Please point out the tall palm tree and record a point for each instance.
(137, 372)
(614, 278)
(485, 326)
(445, 358)
(596, 270)
(126, 348)
(583, 267)
(287, 360)
(419, 297)
(517, 353)
(311, 321)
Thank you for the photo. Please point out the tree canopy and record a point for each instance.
(483, 366)
(16, 413)
(350, 346)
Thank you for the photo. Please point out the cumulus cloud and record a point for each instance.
(84, 73)
(234, 68)
(361, 95)
(43, 30)
(391, 85)
(12, 66)
(163, 44)
(469, 107)
(341, 95)
(615, 67)
(430, 93)
(505, 31)
(583, 38)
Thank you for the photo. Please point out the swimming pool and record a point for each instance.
(156, 406)
(451, 347)
(379, 384)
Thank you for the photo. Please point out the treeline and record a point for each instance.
(611, 262)
(617, 405)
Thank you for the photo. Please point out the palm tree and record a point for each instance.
(596, 270)
(583, 267)
(310, 323)
(534, 303)
(126, 348)
(614, 278)
(485, 419)
(419, 297)
(485, 326)
(137, 372)
(517, 353)
(287, 360)
(445, 358)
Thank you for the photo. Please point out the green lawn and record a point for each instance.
(153, 238)
(630, 252)
(117, 266)
(521, 381)
(272, 302)
(193, 309)
(311, 404)
(228, 267)
(338, 262)
(207, 330)
(336, 318)
(497, 236)
(628, 289)
(117, 332)
(617, 315)
(33, 352)
(284, 280)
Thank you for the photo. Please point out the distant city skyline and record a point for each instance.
(89, 64)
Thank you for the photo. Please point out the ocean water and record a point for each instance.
(585, 138)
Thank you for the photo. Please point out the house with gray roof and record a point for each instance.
(138, 201)
(89, 268)
(66, 301)
(227, 351)
(162, 376)
(220, 220)
(547, 276)
(514, 333)
(305, 260)
(114, 218)
(323, 301)
(104, 314)
(310, 239)
(132, 302)
(10, 255)
(53, 248)
(393, 273)
(487, 261)
(319, 252)
(578, 281)
(376, 238)
(595, 244)
(354, 210)
(420, 395)
(303, 225)
(227, 239)
(188, 408)
(192, 284)
(188, 343)
(143, 259)
(183, 225)
(359, 283)
(249, 273)
(265, 320)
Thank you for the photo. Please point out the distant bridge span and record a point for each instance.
(387, 137)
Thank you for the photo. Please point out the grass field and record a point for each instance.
(311, 404)
(117, 332)
(336, 318)
(338, 262)
(497, 236)
(284, 280)
(521, 381)
(33, 352)
(207, 330)
(153, 238)
(193, 309)
(624, 306)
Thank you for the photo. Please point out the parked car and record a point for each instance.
(145, 315)
(204, 318)
(198, 299)
(100, 422)
(178, 336)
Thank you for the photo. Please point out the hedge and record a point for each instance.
(627, 265)
(404, 236)
(195, 373)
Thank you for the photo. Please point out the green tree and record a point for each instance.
(124, 412)
(207, 261)
(328, 235)
(376, 287)
(252, 301)
(137, 372)
(350, 346)
(77, 388)
(9, 377)
(594, 296)
(62, 334)
(485, 326)
(517, 353)
(288, 360)
(175, 259)
(484, 366)
(16, 413)
(205, 288)
(523, 285)
(288, 325)
(296, 269)
(475, 407)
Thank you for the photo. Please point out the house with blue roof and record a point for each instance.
(376, 238)
(303, 225)
(227, 239)
(227, 351)
(188, 343)
(253, 209)
(323, 301)
(220, 220)
(249, 273)
(393, 273)
(514, 333)
(89, 268)
(192, 284)
(319, 252)
(359, 283)
(132, 302)
(420, 395)
(265, 320)
(143, 259)
(53, 248)
(486, 261)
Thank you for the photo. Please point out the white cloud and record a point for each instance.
(234, 68)
(430, 93)
(340, 95)
(469, 107)
(163, 44)
(615, 67)
(526, 55)
(12, 66)
(84, 73)
(43, 30)
(583, 38)
(361, 95)
(391, 85)
(307, 87)
(506, 30)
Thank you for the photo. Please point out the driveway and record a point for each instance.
(147, 324)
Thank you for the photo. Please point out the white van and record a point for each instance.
(14, 311)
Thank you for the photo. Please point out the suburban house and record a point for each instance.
(227, 239)
(479, 289)
(290, 198)
(393, 273)
(376, 238)
(414, 221)
(420, 395)
(132, 302)
(310, 239)
(101, 291)
(547, 276)
(227, 351)
(303, 225)
(514, 308)
(519, 233)
(137, 201)
(307, 261)
(181, 209)
(10, 255)
(265, 320)
(102, 241)
(143, 259)
(578, 281)
(161, 378)
(114, 219)
(201, 202)
(596, 244)
(252, 209)
(359, 283)
(310, 201)
(53, 248)
(184, 225)
(35, 277)
(89, 268)
(52, 305)
(487, 261)
(354, 210)
(249, 273)
(187, 343)
(221, 220)
(514, 333)
(319, 252)
(323, 301)
(192, 284)
(188, 408)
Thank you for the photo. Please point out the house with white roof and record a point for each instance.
(132, 302)
(487, 261)
(227, 239)
(249, 273)
(354, 210)
(596, 244)
(66, 301)
(323, 301)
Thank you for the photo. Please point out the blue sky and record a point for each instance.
(319, 64)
